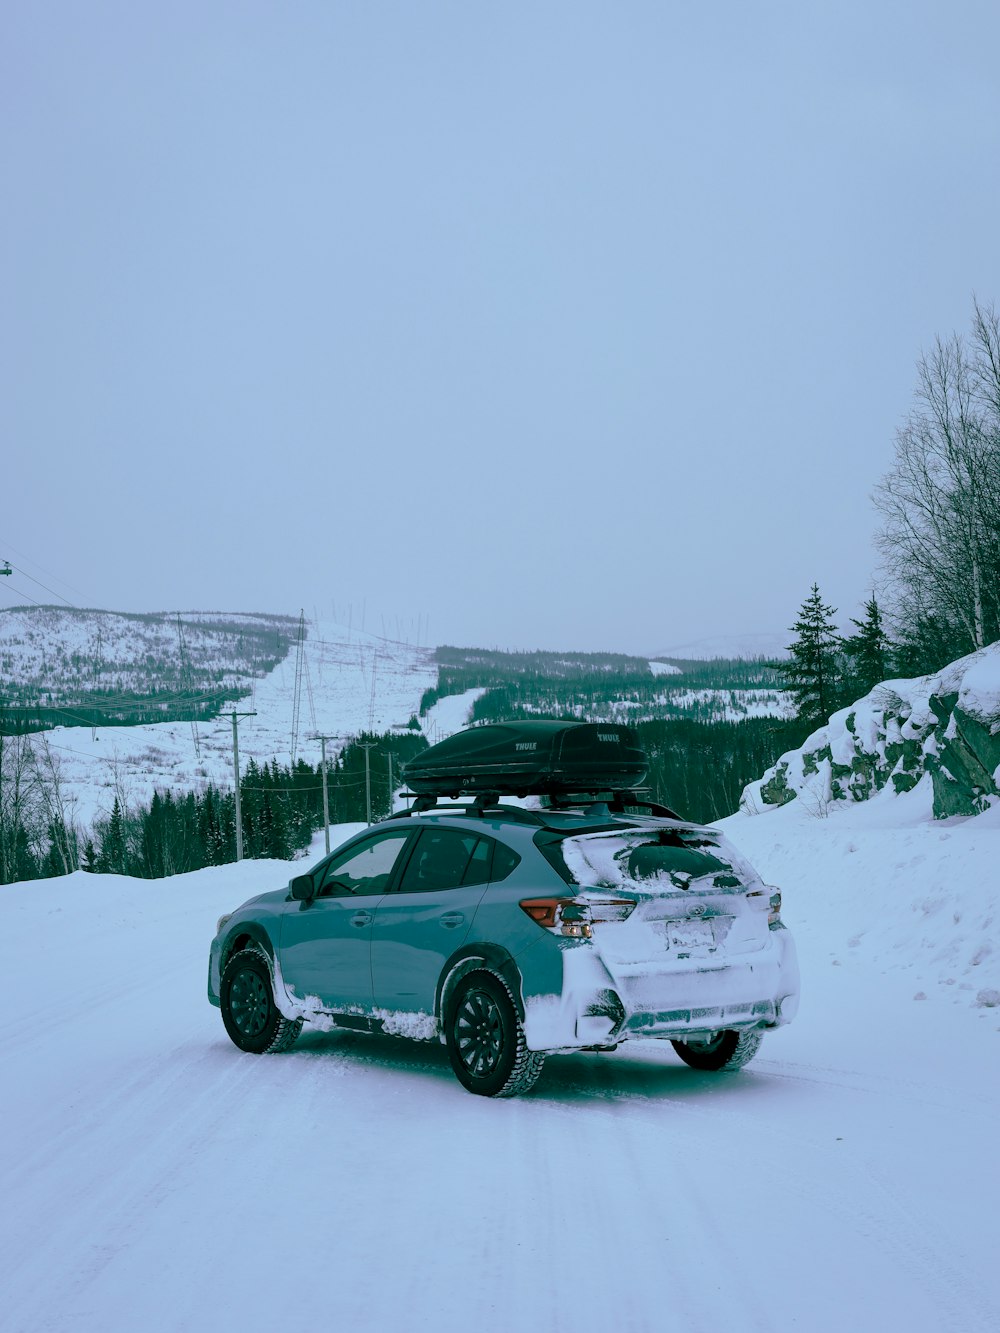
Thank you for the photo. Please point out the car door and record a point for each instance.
(326, 942)
(427, 916)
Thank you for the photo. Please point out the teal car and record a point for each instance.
(509, 934)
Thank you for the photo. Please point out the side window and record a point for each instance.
(478, 869)
(439, 861)
(504, 861)
(364, 869)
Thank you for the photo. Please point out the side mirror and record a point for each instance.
(302, 888)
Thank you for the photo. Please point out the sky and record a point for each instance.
(562, 325)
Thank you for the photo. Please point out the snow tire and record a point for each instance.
(252, 1019)
(724, 1051)
(486, 1041)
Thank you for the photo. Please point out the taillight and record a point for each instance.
(542, 910)
(575, 917)
(770, 898)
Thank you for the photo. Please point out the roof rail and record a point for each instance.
(592, 803)
(615, 803)
(485, 804)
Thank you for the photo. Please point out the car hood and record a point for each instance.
(274, 897)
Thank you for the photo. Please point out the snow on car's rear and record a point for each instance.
(670, 933)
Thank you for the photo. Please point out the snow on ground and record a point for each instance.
(664, 669)
(449, 715)
(156, 1178)
(915, 899)
(350, 681)
(736, 705)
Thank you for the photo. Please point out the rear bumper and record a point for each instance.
(599, 1006)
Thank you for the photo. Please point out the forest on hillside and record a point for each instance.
(281, 809)
(602, 686)
(64, 666)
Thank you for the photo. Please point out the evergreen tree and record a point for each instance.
(186, 853)
(55, 861)
(211, 835)
(868, 650)
(152, 838)
(812, 676)
(111, 858)
(89, 856)
(24, 864)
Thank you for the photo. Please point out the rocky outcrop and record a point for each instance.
(946, 726)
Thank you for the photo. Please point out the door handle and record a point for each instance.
(362, 919)
(452, 919)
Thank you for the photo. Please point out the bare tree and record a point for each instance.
(986, 369)
(60, 823)
(16, 808)
(23, 811)
(940, 501)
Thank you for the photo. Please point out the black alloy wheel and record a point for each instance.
(249, 1003)
(486, 1042)
(479, 1033)
(252, 1019)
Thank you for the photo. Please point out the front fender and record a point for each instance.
(238, 935)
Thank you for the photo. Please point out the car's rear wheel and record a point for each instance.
(726, 1050)
(252, 1019)
(486, 1042)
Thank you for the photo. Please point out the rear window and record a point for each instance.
(662, 860)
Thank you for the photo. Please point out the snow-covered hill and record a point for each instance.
(941, 730)
(59, 656)
(350, 681)
(156, 1178)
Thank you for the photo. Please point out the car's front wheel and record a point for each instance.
(486, 1042)
(251, 1017)
(722, 1050)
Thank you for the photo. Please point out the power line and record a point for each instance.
(45, 586)
(49, 572)
(9, 588)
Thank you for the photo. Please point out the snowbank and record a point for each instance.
(353, 681)
(884, 889)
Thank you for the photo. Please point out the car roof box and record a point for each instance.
(530, 758)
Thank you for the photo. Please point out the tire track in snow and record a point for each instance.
(871, 1216)
(114, 1170)
(927, 1094)
(60, 1015)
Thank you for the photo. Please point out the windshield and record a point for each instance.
(655, 861)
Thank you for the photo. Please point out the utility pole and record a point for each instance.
(368, 746)
(326, 800)
(389, 756)
(297, 697)
(236, 777)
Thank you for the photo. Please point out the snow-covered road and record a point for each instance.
(155, 1178)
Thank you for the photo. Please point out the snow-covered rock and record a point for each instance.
(945, 727)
